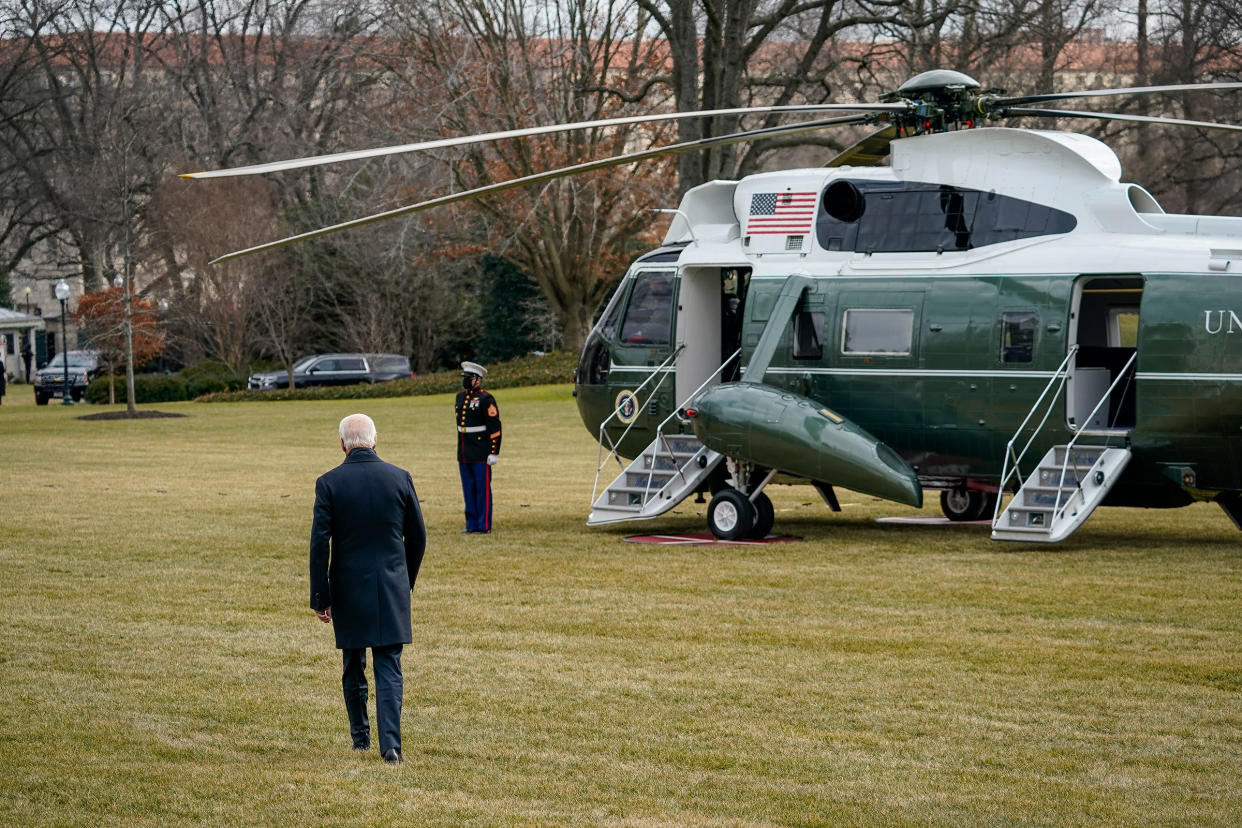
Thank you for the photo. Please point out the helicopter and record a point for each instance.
(993, 315)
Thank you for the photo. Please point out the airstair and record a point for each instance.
(668, 471)
(1069, 482)
(671, 468)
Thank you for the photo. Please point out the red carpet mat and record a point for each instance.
(920, 520)
(707, 540)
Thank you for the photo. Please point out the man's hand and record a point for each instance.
(325, 614)
(493, 459)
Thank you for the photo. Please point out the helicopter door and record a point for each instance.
(709, 324)
(1104, 325)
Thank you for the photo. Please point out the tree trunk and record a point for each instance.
(130, 399)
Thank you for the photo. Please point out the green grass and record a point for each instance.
(161, 667)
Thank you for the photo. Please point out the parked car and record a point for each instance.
(388, 367)
(49, 381)
(334, 369)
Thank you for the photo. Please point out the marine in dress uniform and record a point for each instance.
(478, 446)
(366, 546)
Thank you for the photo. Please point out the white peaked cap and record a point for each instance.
(473, 368)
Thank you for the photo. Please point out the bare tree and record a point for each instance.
(733, 53)
(83, 120)
(481, 65)
(214, 304)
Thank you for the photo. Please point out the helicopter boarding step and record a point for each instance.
(1060, 496)
(668, 471)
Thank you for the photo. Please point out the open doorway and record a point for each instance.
(710, 305)
(1104, 324)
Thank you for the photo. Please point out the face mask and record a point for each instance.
(467, 382)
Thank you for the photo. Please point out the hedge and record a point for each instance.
(188, 383)
(148, 388)
(538, 370)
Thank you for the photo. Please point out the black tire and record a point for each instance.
(765, 516)
(40, 399)
(730, 516)
(963, 504)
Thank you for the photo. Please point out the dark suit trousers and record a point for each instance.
(388, 683)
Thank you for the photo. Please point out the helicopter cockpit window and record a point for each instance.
(808, 341)
(876, 331)
(911, 217)
(650, 312)
(1017, 336)
(607, 324)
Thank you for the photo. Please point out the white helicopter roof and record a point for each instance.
(1074, 173)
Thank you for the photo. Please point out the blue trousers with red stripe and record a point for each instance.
(476, 489)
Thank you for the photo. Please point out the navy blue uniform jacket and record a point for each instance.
(366, 546)
(478, 426)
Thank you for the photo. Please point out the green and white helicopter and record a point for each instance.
(993, 314)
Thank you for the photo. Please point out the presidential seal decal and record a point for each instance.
(627, 406)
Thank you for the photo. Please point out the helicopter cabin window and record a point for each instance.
(649, 315)
(1123, 327)
(876, 331)
(910, 217)
(808, 340)
(1017, 336)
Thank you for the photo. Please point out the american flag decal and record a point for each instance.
(780, 214)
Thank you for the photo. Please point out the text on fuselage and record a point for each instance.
(1221, 321)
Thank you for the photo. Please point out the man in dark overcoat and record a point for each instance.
(366, 546)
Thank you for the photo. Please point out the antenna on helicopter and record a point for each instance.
(684, 217)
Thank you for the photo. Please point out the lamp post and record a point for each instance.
(62, 293)
(28, 300)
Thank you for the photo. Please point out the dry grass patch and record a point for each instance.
(162, 667)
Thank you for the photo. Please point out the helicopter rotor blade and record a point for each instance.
(868, 152)
(1011, 111)
(357, 155)
(1005, 102)
(537, 178)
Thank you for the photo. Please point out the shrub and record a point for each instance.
(148, 388)
(539, 370)
(208, 378)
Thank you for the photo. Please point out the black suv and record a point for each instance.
(334, 369)
(84, 366)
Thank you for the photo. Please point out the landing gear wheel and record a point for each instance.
(963, 504)
(765, 516)
(730, 515)
(989, 505)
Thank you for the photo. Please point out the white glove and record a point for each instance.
(493, 459)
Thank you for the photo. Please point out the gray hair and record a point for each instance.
(358, 431)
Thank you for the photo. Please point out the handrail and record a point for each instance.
(1061, 374)
(1057, 508)
(600, 460)
(676, 410)
(613, 453)
(696, 391)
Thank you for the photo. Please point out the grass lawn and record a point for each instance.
(160, 665)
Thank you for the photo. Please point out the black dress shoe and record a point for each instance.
(393, 756)
(362, 748)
